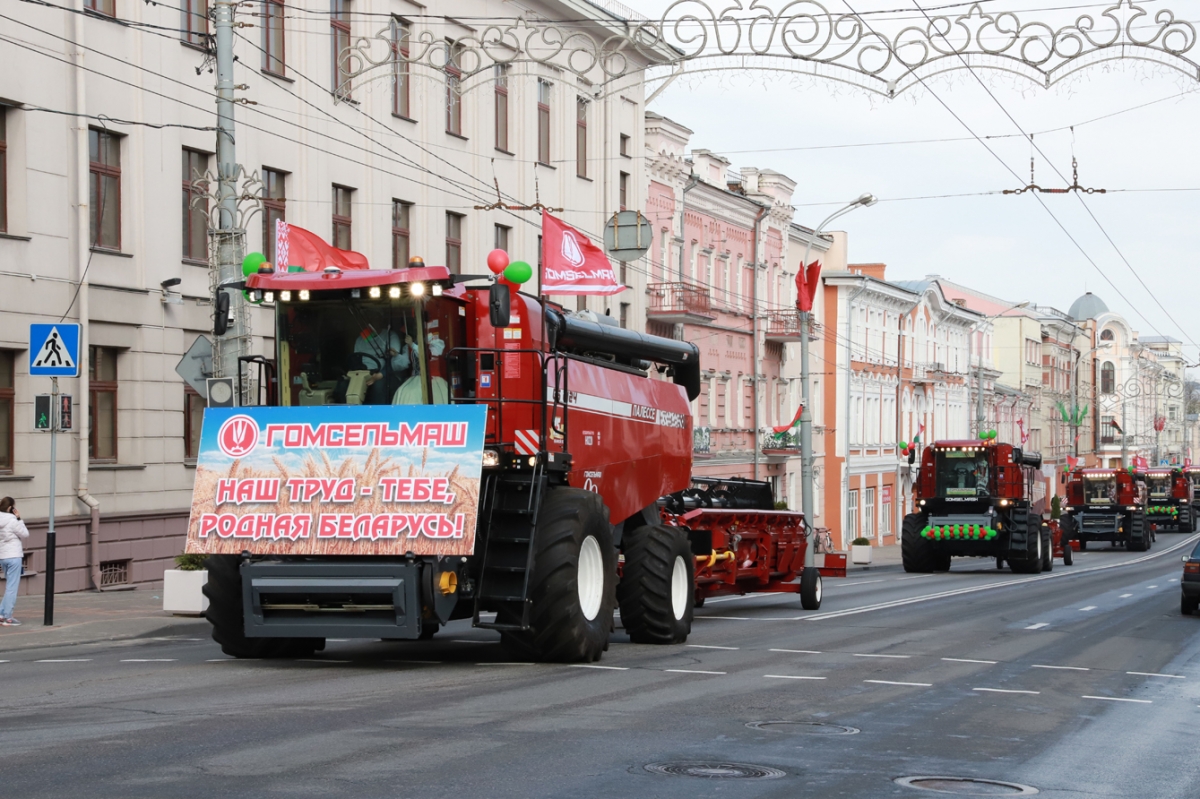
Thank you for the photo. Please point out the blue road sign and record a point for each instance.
(54, 350)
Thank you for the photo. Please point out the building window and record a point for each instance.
(1033, 351)
(114, 572)
(453, 91)
(401, 213)
(1108, 430)
(623, 190)
(193, 417)
(106, 7)
(105, 197)
(342, 220)
(339, 24)
(195, 207)
(502, 235)
(624, 319)
(401, 36)
(273, 39)
(274, 210)
(852, 516)
(501, 73)
(194, 22)
(543, 117)
(102, 404)
(624, 145)
(7, 401)
(885, 519)
(3, 171)
(454, 223)
(868, 517)
(1108, 379)
(581, 106)
(1106, 335)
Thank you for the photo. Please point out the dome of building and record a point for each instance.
(1089, 306)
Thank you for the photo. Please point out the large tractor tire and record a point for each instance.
(1138, 536)
(941, 561)
(657, 590)
(224, 592)
(572, 586)
(811, 588)
(1047, 549)
(916, 552)
(1029, 561)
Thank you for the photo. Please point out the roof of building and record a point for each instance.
(1089, 306)
(1158, 340)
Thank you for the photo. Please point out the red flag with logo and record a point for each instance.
(572, 264)
(295, 246)
(806, 286)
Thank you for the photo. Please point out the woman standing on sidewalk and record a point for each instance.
(12, 530)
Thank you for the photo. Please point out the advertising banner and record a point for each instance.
(354, 480)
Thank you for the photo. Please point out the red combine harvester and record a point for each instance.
(1105, 505)
(1169, 496)
(585, 503)
(973, 500)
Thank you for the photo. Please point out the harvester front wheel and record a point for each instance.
(657, 589)
(1029, 561)
(571, 588)
(915, 551)
(224, 592)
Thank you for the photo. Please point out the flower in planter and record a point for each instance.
(861, 542)
(190, 561)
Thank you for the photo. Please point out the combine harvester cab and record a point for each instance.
(973, 500)
(1105, 505)
(1169, 495)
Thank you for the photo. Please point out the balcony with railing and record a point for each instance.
(782, 325)
(780, 445)
(678, 303)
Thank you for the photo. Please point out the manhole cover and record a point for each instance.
(716, 771)
(803, 727)
(966, 786)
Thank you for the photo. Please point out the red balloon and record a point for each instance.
(497, 261)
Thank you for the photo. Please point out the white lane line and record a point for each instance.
(917, 577)
(790, 677)
(503, 663)
(1119, 699)
(898, 657)
(149, 660)
(692, 671)
(423, 662)
(320, 660)
(797, 651)
(841, 584)
(1151, 586)
(1089, 607)
(1153, 674)
(966, 660)
(595, 666)
(1060, 668)
(338, 640)
(467, 641)
(1038, 626)
(64, 660)
(729, 618)
(1124, 596)
(1172, 580)
(703, 646)
(1005, 691)
(911, 684)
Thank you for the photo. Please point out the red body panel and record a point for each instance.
(1009, 477)
(1128, 492)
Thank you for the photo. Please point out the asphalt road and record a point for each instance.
(1084, 682)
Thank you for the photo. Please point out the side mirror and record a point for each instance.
(912, 457)
(1062, 478)
(221, 314)
(499, 305)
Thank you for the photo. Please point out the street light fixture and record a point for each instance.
(806, 456)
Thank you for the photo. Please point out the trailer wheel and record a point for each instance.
(657, 589)
(1047, 550)
(811, 589)
(224, 613)
(571, 588)
(915, 551)
(1139, 536)
(1068, 553)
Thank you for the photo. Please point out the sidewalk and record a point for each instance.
(86, 617)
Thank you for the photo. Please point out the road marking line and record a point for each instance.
(320, 660)
(899, 657)
(427, 662)
(841, 584)
(965, 660)
(1124, 596)
(1119, 699)
(149, 660)
(692, 671)
(338, 640)
(703, 646)
(1038, 626)
(1172, 580)
(912, 684)
(1005, 691)
(917, 577)
(1062, 668)
(65, 660)
(503, 663)
(467, 641)
(1151, 586)
(594, 666)
(790, 677)
(1153, 674)
(729, 618)
(1089, 607)
(797, 651)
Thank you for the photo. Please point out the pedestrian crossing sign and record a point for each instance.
(54, 350)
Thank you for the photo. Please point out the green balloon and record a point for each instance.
(252, 262)
(983, 435)
(518, 272)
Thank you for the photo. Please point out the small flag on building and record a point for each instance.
(572, 264)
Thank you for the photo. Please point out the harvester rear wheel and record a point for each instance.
(571, 588)
(224, 592)
(915, 551)
(1029, 561)
(657, 589)
(811, 590)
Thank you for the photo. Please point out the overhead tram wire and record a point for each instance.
(1078, 196)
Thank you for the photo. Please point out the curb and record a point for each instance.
(198, 627)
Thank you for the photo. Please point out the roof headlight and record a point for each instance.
(436, 289)
(303, 295)
(394, 292)
(417, 289)
(374, 292)
(285, 296)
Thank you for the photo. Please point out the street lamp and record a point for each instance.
(806, 456)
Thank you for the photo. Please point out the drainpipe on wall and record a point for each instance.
(683, 221)
(762, 211)
(82, 253)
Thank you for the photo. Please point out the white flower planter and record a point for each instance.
(182, 593)
(860, 554)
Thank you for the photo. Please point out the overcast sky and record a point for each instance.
(1003, 244)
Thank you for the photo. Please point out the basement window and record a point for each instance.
(114, 572)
